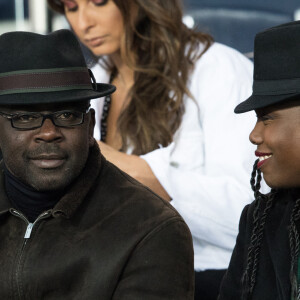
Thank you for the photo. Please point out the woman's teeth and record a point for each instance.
(261, 158)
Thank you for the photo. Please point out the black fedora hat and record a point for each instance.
(276, 67)
(37, 68)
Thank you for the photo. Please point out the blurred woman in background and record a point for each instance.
(170, 121)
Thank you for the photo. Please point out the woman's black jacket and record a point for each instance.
(272, 278)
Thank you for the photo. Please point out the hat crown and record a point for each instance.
(276, 52)
(276, 67)
(50, 68)
(28, 51)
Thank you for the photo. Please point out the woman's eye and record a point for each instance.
(265, 119)
(100, 2)
(69, 5)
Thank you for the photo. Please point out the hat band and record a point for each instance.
(276, 87)
(44, 80)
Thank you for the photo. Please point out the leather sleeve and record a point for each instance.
(161, 266)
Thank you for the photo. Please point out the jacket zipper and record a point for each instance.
(26, 237)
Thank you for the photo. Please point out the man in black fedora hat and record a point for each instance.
(265, 263)
(72, 225)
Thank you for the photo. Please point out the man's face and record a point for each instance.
(277, 136)
(50, 157)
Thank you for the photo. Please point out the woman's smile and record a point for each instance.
(262, 158)
(277, 136)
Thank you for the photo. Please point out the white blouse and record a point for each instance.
(206, 169)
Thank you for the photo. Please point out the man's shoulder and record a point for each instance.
(121, 193)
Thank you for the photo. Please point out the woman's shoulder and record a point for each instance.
(223, 59)
(222, 52)
(223, 75)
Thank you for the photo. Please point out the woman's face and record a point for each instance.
(277, 136)
(97, 23)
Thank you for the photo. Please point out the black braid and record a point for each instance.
(260, 234)
(255, 182)
(294, 246)
(246, 277)
(249, 276)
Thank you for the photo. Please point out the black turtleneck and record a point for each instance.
(27, 200)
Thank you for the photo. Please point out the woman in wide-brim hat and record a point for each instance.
(265, 263)
(170, 120)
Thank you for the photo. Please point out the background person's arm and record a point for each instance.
(135, 167)
(206, 170)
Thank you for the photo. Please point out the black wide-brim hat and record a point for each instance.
(276, 67)
(37, 69)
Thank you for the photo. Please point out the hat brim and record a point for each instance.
(260, 101)
(75, 95)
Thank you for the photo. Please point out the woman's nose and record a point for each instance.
(85, 19)
(256, 135)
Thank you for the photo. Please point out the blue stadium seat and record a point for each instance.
(7, 9)
(280, 6)
(235, 22)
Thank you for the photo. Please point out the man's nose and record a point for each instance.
(48, 132)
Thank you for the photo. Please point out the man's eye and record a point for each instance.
(67, 116)
(26, 118)
(100, 2)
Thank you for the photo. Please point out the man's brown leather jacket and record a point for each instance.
(108, 237)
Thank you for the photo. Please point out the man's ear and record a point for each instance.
(92, 122)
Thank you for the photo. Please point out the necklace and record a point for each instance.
(105, 111)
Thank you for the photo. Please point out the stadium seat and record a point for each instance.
(233, 25)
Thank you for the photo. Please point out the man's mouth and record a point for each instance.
(48, 161)
(262, 158)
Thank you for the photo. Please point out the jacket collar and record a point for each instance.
(75, 193)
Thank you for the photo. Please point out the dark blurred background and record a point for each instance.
(235, 22)
(231, 22)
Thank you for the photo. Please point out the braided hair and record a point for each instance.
(259, 220)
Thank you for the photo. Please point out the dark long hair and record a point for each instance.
(162, 52)
(262, 206)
